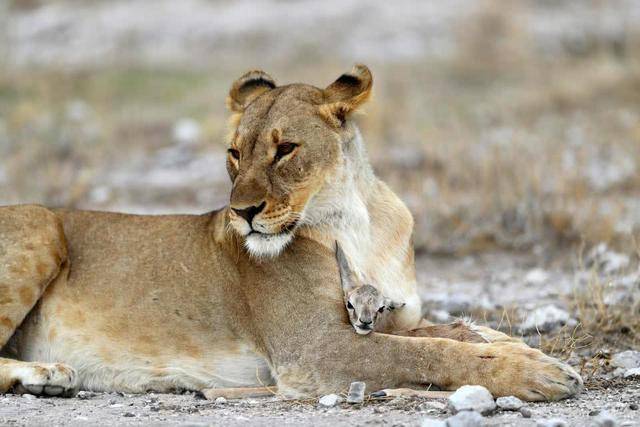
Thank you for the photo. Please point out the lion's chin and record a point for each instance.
(267, 245)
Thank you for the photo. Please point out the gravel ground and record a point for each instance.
(189, 409)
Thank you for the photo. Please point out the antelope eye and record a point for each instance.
(284, 149)
(381, 309)
(349, 305)
(234, 153)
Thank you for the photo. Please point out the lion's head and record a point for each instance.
(286, 155)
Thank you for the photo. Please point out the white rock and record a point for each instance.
(432, 422)
(545, 319)
(552, 422)
(77, 110)
(472, 398)
(536, 277)
(28, 396)
(465, 419)
(330, 400)
(356, 392)
(605, 260)
(632, 373)
(220, 401)
(629, 359)
(186, 131)
(605, 419)
(509, 403)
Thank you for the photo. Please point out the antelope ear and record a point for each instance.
(247, 88)
(346, 94)
(347, 279)
(392, 305)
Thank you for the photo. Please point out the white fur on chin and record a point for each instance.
(267, 245)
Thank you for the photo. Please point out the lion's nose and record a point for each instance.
(249, 213)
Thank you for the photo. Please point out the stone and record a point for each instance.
(526, 412)
(330, 400)
(220, 401)
(551, 422)
(472, 398)
(84, 395)
(509, 403)
(605, 260)
(356, 392)
(186, 131)
(128, 414)
(28, 396)
(432, 406)
(536, 277)
(465, 419)
(632, 373)
(545, 319)
(629, 359)
(432, 422)
(605, 419)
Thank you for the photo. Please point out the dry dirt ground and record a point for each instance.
(189, 410)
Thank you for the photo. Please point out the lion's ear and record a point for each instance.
(247, 88)
(346, 94)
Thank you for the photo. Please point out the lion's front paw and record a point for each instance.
(535, 376)
(50, 379)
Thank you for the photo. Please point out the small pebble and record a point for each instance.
(633, 406)
(84, 395)
(525, 412)
(432, 406)
(356, 392)
(632, 373)
(330, 400)
(28, 396)
(472, 398)
(605, 419)
(432, 422)
(465, 419)
(552, 422)
(220, 401)
(509, 403)
(128, 414)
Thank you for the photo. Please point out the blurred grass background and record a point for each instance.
(501, 124)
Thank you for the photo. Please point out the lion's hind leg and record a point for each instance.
(32, 253)
(460, 330)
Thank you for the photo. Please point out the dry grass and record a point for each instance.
(502, 145)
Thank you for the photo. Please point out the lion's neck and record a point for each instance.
(341, 211)
(373, 228)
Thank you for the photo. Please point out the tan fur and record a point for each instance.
(176, 302)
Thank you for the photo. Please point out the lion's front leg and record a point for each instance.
(388, 361)
(51, 379)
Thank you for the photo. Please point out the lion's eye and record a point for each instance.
(349, 306)
(381, 309)
(284, 149)
(234, 153)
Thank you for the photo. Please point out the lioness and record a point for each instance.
(248, 294)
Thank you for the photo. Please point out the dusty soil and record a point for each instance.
(189, 409)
